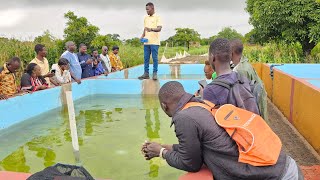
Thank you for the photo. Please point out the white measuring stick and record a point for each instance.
(72, 121)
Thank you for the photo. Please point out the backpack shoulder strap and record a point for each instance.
(241, 78)
(222, 83)
(207, 105)
(227, 84)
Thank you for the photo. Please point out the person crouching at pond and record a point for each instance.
(32, 79)
(61, 70)
(115, 59)
(97, 63)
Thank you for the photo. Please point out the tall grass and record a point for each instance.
(280, 53)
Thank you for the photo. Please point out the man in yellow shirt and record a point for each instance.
(116, 63)
(151, 37)
(42, 61)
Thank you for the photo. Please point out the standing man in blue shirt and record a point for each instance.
(75, 68)
(86, 62)
(151, 32)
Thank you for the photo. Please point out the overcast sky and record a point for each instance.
(26, 19)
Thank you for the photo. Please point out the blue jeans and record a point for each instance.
(148, 50)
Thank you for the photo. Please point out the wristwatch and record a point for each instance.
(161, 153)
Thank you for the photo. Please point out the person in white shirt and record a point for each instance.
(105, 59)
(61, 70)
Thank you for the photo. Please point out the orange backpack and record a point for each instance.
(257, 144)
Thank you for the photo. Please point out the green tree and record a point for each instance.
(286, 20)
(79, 29)
(250, 37)
(207, 41)
(229, 33)
(186, 36)
(170, 41)
(45, 38)
(134, 42)
(104, 40)
(115, 37)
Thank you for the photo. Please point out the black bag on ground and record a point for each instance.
(242, 93)
(62, 172)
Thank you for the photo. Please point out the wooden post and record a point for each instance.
(72, 121)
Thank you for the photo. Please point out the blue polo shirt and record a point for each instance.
(75, 67)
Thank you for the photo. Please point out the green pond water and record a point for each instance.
(111, 130)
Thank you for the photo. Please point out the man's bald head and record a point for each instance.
(171, 92)
(14, 64)
(68, 44)
(71, 46)
(169, 95)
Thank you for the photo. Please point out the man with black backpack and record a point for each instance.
(229, 87)
(243, 67)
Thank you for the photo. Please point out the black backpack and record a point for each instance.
(242, 94)
(62, 172)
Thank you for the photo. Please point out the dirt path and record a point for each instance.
(295, 145)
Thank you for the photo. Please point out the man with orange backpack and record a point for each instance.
(225, 139)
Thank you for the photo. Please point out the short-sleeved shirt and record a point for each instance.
(7, 82)
(115, 61)
(152, 22)
(44, 65)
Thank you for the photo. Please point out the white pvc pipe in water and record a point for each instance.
(72, 121)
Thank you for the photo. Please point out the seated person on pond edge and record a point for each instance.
(97, 64)
(203, 142)
(116, 63)
(239, 94)
(243, 67)
(210, 75)
(32, 79)
(8, 87)
(62, 73)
